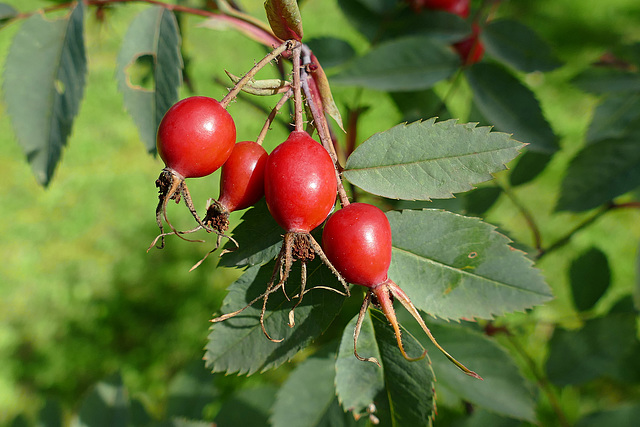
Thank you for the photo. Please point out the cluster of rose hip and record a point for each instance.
(299, 180)
(470, 49)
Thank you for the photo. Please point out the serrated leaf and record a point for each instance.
(405, 64)
(153, 33)
(600, 348)
(623, 416)
(590, 278)
(600, 172)
(248, 406)
(529, 166)
(519, 46)
(307, 398)
(106, 405)
(615, 117)
(284, 18)
(239, 345)
(358, 383)
(256, 221)
(409, 384)
(425, 160)
(509, 394)
(510, 106)
(456, 267)
(600, 80)
(190, 391)
(44, 80)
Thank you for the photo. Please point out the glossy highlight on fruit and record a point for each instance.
(242, 176)
(300, 183)
(357, 241)
(196, 136)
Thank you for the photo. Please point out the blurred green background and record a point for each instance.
(81, 299)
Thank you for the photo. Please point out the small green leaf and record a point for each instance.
(284, 18)
(152, 34)
(457, 267)
(409, 384)
(601, 172)
(425, 160)
(615, 117)
(239, 345)
(7, 13)
(106, 405)
(405, 64)
(519, 46)
(358, 383)
(307, 398)
(510, 106)
(590, 278)
(600, 348)
(190, 391)
(44, 80)
(529, 166)
(623, 416)
(600, 80)
(256, 221)
(510, 394)
(248, 406)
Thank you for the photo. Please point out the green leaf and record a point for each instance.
(248, 406)
(106, 405)
(7, 13)
(529, 166)
(457, 267)
(425, 160)
(409, 385)
(510, 394)
(284, 18)
(636, 290)
(190, 391)
(615, 117)
(44, 80)
(601, 80)
(601, 172)
(624, 416)
(420, 105)
(510, 106)
(590, 278)
(437, 25)
(406, 64)
(482, 418)
(307, 398)
(600, 348)
(153, 36)
(239, 345)
(331, 51)
(519, 46)
(480, 200)
(256, 221)
(51, 414)
(358, 383)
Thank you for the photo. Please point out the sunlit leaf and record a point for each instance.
(152, 35)
(284, 18)
(257, 221)
(510, 106)
(590, 278)
(409, 384)
(406, 64)
(510, 395)
(457, 267)
(425, 160)
(519, 46)
(601, 172)
(239, 345)
(358, 383)
(44, 80)
(307, 398)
